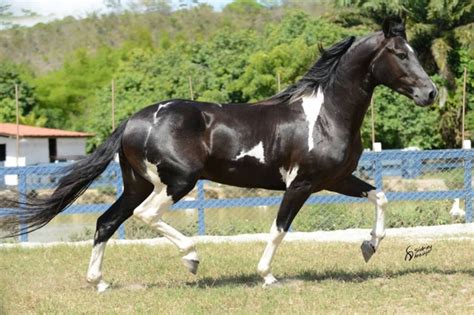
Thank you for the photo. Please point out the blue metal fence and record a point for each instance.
(375, 166)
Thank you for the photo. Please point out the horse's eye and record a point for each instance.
(402, 56)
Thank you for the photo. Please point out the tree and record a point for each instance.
(163, 6)
(11, 75)
(4, 14)
(244, 7)
(69, 92)
(438, 30)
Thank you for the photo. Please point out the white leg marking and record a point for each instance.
(256, 152)
(151, 210)
(184, 243)
(289, 176)
(311, 107)
(94, 273)
(378, 231)
(264, 266)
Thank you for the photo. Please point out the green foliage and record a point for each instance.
(11, 75)
(232, 56)
(400, 123)
(441, 32)
(244, 7)
(69, 92)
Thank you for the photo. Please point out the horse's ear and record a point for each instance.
(394, 26)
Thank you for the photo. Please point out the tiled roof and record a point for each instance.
(9, 130)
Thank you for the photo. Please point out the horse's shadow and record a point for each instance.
(253, 280)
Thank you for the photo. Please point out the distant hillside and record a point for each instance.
(44, 47)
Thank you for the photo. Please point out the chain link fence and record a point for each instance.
(423, 188)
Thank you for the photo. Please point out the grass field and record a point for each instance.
(316, 278)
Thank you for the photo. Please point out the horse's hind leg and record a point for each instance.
(353, 186)
(136, 190)
(162, 197)
(107, 224)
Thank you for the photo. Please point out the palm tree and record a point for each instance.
(437, 29)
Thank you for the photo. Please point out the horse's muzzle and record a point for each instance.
(425, 96)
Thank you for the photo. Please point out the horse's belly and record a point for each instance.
(241, 174)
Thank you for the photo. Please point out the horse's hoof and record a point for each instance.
(270, 281)
(102, 286)
(191, 264)
(367, 250)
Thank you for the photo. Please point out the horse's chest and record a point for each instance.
(336, 159)
(311, 108)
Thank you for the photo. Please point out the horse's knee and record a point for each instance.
(103, 233)
(378, 198)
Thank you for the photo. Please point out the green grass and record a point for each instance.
(316, 278)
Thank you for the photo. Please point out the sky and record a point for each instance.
(54, 9)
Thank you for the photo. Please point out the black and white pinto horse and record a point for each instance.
(302, 140)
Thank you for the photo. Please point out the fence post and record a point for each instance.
(201, 218)
(468, 186)
(378, 176)
(22, 200)
(119, 190)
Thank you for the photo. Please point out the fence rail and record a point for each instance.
(439, 166)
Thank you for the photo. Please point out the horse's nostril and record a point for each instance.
(432, 94)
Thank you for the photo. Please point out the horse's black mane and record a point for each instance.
(321, 74)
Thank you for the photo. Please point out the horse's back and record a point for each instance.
(211, 139)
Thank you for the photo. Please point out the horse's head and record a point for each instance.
(396, 66)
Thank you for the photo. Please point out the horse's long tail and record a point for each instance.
(36, 213)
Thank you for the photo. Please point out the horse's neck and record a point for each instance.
(349, 94)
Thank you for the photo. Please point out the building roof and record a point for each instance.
(9, 130)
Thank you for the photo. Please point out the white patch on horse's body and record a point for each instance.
(288, 176)
(151, 209)
(409, 48)
(152, 174)
(256, 152)
(155, 117)
(148, 135)
(311, 107)
(264, 265)
(291, 175)
(283, 174)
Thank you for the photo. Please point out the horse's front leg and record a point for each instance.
(293, 200)
(353, 186)
(378, 232)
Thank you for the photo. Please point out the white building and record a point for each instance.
(39, 145)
